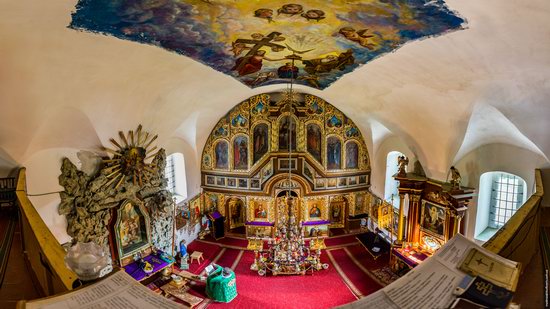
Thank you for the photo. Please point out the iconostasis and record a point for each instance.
(247, 159)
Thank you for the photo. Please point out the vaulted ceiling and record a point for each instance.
(443, 96)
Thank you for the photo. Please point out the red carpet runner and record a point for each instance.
(348, 277)
(324, 289)
(359, 280)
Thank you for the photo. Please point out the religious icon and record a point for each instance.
(359, 202)
(286, 164)
(352, 155)
(243, 183)
(237, 212)
(267, 171)
(261, 141)
(210, 180)
(433, 218)
(254, 183)
(319, 183)
(331, 182)
(240, 153)
(222, 153)
(232, 182)
(131, 229)
(342, 182)
(334, 153)
(287, 133)
(314, 141)
(336, 212)
(314, 211)
(259, 211)
(211, 202)
(308, 172)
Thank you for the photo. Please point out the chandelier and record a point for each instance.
(288, 252)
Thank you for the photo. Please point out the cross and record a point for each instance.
(265, 41)
(480, 262)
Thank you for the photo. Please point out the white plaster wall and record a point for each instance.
(43, 169)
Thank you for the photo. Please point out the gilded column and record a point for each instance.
(414, 218)
(457, 221)
(401, 222)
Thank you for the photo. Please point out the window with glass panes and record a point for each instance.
(506, 198)
(170, 174)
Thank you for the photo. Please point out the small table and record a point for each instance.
(197, 255)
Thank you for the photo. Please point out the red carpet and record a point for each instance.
(361, 254)
(209, 252)
(365, 285)
(228, 257)
(228, 241)
(324, 289)
(341, 240)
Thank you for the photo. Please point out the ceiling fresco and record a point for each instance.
(268, 42)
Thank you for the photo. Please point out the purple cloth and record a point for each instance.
(259, 223)
(133, 268)
(316, 222)
(420, 256)
(216, 215)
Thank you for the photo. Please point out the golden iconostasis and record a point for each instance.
(252, 150)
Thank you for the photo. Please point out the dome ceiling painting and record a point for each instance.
(257, 42)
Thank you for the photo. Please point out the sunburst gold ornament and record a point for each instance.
(129, 157)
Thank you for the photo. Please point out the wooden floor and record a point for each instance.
(18, 283)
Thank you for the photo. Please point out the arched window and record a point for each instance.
(390, 188)
(175, 174)
(500, 196)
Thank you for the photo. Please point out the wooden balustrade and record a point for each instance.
(44, 254)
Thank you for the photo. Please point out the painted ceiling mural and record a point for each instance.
(267, 42)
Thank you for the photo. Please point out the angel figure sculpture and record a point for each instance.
(402, 163)
(455, 178)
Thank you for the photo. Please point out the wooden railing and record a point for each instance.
(518, 239)
(44, 254)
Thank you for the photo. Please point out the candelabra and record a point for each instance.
(287, 253)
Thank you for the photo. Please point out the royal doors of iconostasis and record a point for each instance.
(292, 207)
(235, 210)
